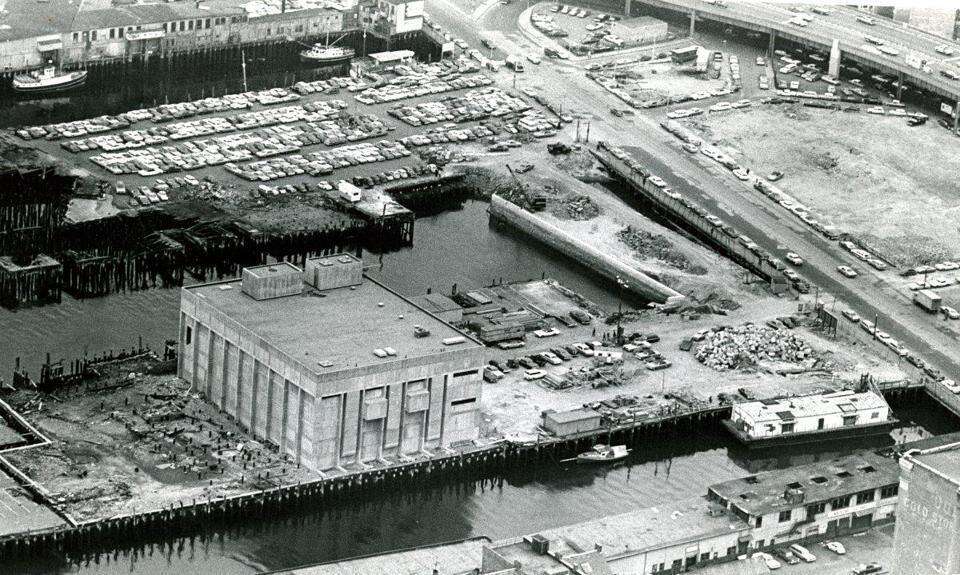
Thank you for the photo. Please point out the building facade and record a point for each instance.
(330, 366)
(927, 537)
(821, 499)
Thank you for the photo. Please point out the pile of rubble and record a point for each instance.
(648, 245)
(576, 207)
(746, 345)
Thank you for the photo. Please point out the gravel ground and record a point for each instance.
(864, 177)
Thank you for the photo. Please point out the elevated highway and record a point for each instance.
(917, 62)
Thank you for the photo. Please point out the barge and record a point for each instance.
(812, 418)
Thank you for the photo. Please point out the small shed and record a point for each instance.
(566, 423)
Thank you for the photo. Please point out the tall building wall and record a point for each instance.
(927, 536)
(326, 422)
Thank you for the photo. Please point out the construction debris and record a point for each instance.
(575, 207)
(649, 245)
(747, 345)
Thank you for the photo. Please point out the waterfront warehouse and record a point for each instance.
(824, 498)
(329, 365)
(928, 515)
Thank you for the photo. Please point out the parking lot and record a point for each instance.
(284, 140)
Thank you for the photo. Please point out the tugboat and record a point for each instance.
(322, 54)
(604, 454)
(48, 80)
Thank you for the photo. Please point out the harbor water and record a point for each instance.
(456, 247)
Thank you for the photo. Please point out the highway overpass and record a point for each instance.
(841, 24)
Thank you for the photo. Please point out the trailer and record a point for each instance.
(927, 299)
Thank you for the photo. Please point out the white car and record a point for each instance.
(836, 547)
(191, 180)
(532, 374)
(767, 559)
(742, 174)
(584, 349)
(658, 181)
(950, 312)
(794, 258)
(549, 332)
(803, 553)
(461, 44)
(851, 315)
(847, 271)
(533, 59)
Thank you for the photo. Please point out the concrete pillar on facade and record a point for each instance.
(834, 69)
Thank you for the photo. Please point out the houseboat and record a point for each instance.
(810, 418)
(48, 80)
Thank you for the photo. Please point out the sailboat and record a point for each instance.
(48, 80)
(324, 53)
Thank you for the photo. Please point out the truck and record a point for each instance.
(515, 63)
(927, 299)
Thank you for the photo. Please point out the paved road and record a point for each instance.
(715, 188)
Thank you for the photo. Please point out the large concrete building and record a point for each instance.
(927, 536)
(329, 365)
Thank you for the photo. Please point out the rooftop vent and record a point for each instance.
(819, 479)
(868, 469)
(844, 474)
(272, 281)
(333, 272)
(752, 480)
(454, 340)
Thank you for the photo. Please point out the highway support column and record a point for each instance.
(693, 21)
(626, 8)
(772, 44)
(834, 69)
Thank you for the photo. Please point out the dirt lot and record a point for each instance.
(512, 406)
(602, 220)
(665, 80)
(143, 442)
(873, 176)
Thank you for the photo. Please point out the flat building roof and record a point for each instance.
(764, 493)
(945, 461)
(339, 328)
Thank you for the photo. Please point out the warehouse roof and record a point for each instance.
(945, 461)
(338, 328)
(791, 408)
(765, 492)
(142, 14)
(639, 531)
(29, 18)
(572, 415)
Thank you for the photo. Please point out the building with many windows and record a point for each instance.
(825, 498)
(329, 365)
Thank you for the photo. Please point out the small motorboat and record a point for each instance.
(322, 54)
(48, 80)
(604, 454)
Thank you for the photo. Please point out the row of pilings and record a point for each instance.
(484, 467)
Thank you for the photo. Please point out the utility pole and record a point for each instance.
(876, 325)
(243, 65)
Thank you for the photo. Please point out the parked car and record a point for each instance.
(847, 271)
(851, 315)
(803, 553)
(767, 559)
(867, 568)
(551, 358)
(836, 547)
(584, 349)
(794, 258)
(532, 374)
(787, 556)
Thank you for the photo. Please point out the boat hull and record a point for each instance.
(52, 88)
(840, 433)
(599, 461)
(325, 61)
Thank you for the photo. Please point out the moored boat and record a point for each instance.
(48, 80)
(810, 418)
(323, 54)
(604, 454)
